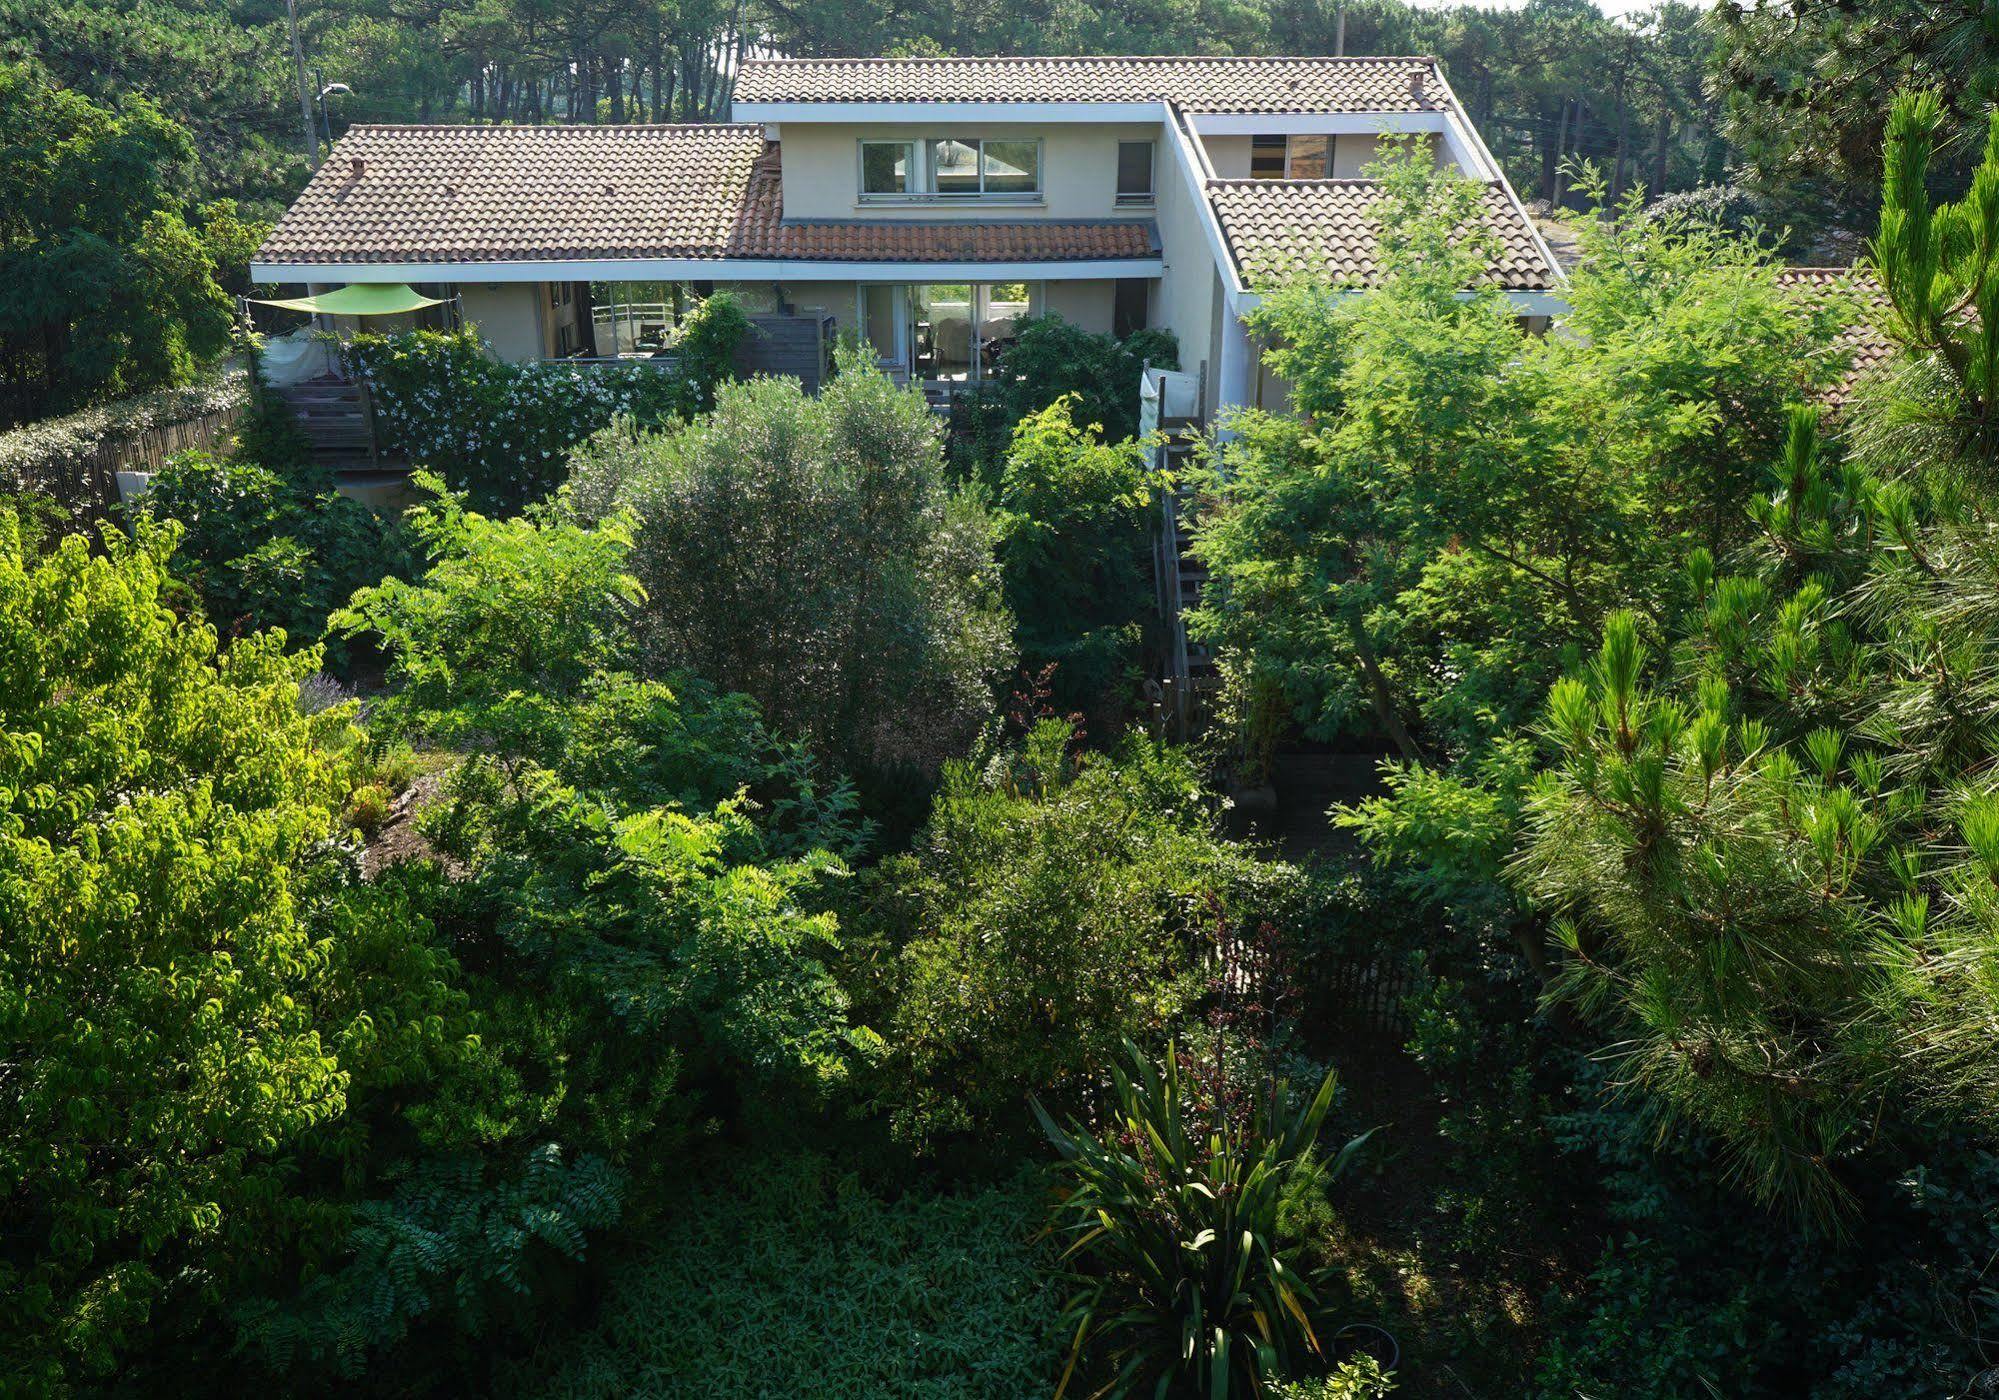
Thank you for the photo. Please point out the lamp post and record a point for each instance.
(327, 90)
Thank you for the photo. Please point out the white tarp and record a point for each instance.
(295, 358)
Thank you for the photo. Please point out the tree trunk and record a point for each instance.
(1378, 692)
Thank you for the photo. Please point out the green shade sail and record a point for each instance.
(358, 299)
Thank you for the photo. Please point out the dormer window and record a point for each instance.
(950, 168)
(1296, 157)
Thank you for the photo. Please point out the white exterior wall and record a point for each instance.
(822, 170)
(508, 316)
(1088, 305)
(1184, 302)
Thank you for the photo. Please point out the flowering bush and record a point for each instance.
(502, 432)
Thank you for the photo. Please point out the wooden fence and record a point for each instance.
(88, 484)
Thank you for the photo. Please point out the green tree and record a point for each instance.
(1073, 524)
(1776, 858)
(169, 1005)
(105, 289)
(1055, 906)
(806, 552)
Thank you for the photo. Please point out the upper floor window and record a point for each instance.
(1134, 172)
(887, 167)
(1296, 157)
(950, 168)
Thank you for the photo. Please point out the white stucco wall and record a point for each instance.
(822, 169)
(1088, 305)
(508, 316)
(1183, 303)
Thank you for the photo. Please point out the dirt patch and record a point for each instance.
(398, 838)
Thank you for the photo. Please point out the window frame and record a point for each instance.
(1151, 191)
(912, 167)
(922, 166)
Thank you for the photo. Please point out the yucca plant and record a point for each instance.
(1184, 1282)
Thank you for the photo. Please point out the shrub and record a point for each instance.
(266, 549)
(805, 552)
(195, 1004)
(1050, 359)
(503, 432)
(1073, 521)
(1053, 908)
(1185, 1282)
(792, 1278)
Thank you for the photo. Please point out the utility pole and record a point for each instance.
(1340, 31)
(304, 98)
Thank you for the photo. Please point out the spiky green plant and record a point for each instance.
(1184, 1281)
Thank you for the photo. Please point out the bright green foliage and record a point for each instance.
(790, 1277)
(1939, 264)
(158, 981)
(1777, 857)
(104, 288)
(805, 551)
(642, 855)
(1360, 1378)
(1185, 1282)
(512, 618)
(271, 546)
(1054, 907)
(1049, 360)
(503, 432)
(1073, 522)
(1464, 502)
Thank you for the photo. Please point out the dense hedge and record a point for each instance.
(502, 432)
(43, 456)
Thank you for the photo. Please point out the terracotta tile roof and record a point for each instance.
(1197, 84)
(470, 194)
(1863, 337)
(520, 193)
(1326, 228)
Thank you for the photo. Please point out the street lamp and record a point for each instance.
(326, 122)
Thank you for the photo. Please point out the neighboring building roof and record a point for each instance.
(1863, 337)
(1326, 228)
(1217, 85)
(479, 194)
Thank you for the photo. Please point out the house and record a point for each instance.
(923, 206)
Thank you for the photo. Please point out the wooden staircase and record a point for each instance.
(333, 414)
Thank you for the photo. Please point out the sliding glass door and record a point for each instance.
(943, 332)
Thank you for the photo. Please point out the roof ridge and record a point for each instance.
(1104, 58)
(1265, 181)
(547, 128)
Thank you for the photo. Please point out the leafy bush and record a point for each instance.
(1054, 907)
(787, 1277)
(196, 1003)
(1048, 360)
(271, 548)
(1073, 522)
(503, 432)
(805, 552)
(1185, 1282)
